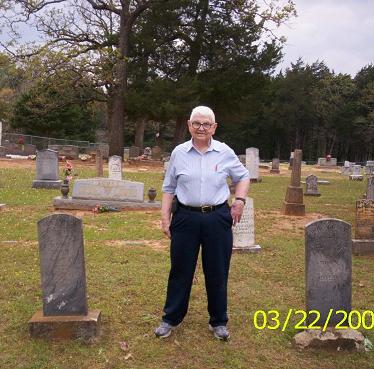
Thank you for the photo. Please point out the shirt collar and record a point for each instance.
(214, 145)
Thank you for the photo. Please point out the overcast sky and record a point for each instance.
(339, 32)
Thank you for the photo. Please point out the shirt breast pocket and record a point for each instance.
(219, 179)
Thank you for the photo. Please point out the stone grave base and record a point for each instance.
(276, 171)
(290, 208)
(362, 247)
(312, 194)
(336, 339)
(46, 184)
(81, 204)
(86, 327)
(256, 180)
(353, 177)
(247, 249)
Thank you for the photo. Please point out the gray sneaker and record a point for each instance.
(164, 330)
(220, 332)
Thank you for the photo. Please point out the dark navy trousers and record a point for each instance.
(190, 230)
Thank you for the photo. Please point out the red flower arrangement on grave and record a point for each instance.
(68, 170)
(21, 141)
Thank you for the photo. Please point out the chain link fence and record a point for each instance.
(42, 143)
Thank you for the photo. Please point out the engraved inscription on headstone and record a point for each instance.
(370, 188)
(311, 184)
(365, 219)
(115, 167)
(328, 272)
(244, 231)
(62, 265)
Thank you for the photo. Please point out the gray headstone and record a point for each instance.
(369, 168)
(370, 189)
(327, 163)
(126, 153)
(252, 162)
(156, 152)
(311, 184)
(47, 165)
(134, 151)
(108, 189)
(356, 170)
(62, 265)
(275, 166)
(70, 151)
(328, 272)
(115, 167)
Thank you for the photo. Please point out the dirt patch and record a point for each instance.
(153, 244)
(281, 223)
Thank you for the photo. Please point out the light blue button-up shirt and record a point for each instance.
(199, 179)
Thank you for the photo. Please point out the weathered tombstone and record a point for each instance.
(244, 231)
(92, 192)
(370, 189)
(252, 163)
(242, 159)
(328, 277)
(115, 167)
(345, 171)
(126, 153)
(46, 170)
(134, 152)
(19, 149)
(323, 162)
(156, 152)
(356, 174)
(328, 269)
(275, 166)
(65, 313)
(166, 166)
(99, 164)
(291, 160)
(69, 151)
(311, 184)
(369, 168)
(293, 204)
(363, 243)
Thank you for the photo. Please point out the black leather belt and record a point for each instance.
(202, 209)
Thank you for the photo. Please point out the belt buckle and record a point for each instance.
(206, 209)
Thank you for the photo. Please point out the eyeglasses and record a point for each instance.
(205, 125)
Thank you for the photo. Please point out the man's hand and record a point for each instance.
(237, 211)
(165, 226)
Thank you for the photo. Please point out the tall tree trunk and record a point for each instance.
(139, 132)
(180, 131)
(117, 117)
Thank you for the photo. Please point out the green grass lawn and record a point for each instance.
(127, 264)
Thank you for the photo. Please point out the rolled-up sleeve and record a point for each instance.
(237, 171)
(170, 180)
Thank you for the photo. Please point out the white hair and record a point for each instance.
(203, 110)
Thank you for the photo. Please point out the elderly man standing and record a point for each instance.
(196, 180)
